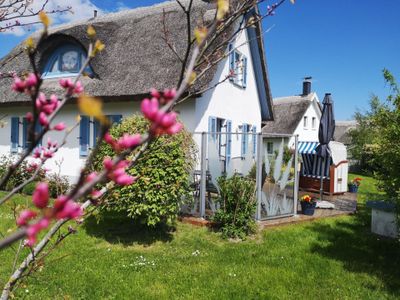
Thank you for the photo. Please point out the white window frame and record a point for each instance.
(305, 122)
(270, 146)
(239, 72)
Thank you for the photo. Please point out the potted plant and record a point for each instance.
(354, 184)
(308, 204)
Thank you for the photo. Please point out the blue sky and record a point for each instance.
(342, 44)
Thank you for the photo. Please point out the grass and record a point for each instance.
(329, 259)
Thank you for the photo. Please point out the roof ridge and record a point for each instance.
(170, 5)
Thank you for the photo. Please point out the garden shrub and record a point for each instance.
(163, 175)
(22, 174)
(253, 173)
(237, 206)
(29, 188)
(58, 184)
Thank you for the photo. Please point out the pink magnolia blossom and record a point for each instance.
(177, 127)
(168, 120)
(96, 194)
(43, 119)
(60, 126)
(40, 196)
(33, 230)
(40, 100)
(29, 117)
(154, 93)
(150, 108)
(66, 83)
(92, 176)
(125, 179)
(162, 122)
(169, 94)
(78, 88)
(60, 202)
(129, 141)
(70, 210)
(108, 163)
(37, 152)
(31, 81)
(25, 216)
(18, 85)
(109, 139)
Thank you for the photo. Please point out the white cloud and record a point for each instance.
(121, 6)
(81, 9)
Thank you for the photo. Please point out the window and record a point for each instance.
(237, 67)
(66, 60)
(220, 132)
(245, 139)
(25, 128)
(254, 140)
(305, 122)
(313, 123)
(85, 132)
(14, 134)
(216, 128)
(96, 126)
(270, 147)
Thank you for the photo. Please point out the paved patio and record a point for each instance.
(345, 204)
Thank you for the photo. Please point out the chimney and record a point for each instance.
(95, 13)
(307, 86)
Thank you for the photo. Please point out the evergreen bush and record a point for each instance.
(163, 175)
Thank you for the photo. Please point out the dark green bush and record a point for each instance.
(20, 175)
(29, 188)
(163, 172)
(237, 206)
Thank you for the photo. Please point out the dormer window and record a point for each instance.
(66, 61)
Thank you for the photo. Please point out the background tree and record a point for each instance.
(363, 138)
(386, 122)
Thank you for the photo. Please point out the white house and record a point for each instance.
(136, 58)
(293, 115)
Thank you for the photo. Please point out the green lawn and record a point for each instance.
(329, 259)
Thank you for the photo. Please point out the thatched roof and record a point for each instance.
(136, 57)
(288, 112)
(342, 131)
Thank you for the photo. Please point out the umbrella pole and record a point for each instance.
(321, 189)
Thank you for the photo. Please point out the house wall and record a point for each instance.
(308, 134)
(68, 158)
(230, 102)
(226, 101)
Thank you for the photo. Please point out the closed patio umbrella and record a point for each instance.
(325, 134)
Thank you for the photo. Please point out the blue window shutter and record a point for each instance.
(228, 141)
(254, 140)
(244, 71)
(96, 131)
(212, 127)
(115, 118)
(231, 62)
(84, 136)
(25, 126)
(244, 140)
(14, 134)
(38, 130)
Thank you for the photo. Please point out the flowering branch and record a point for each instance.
(13, 11)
